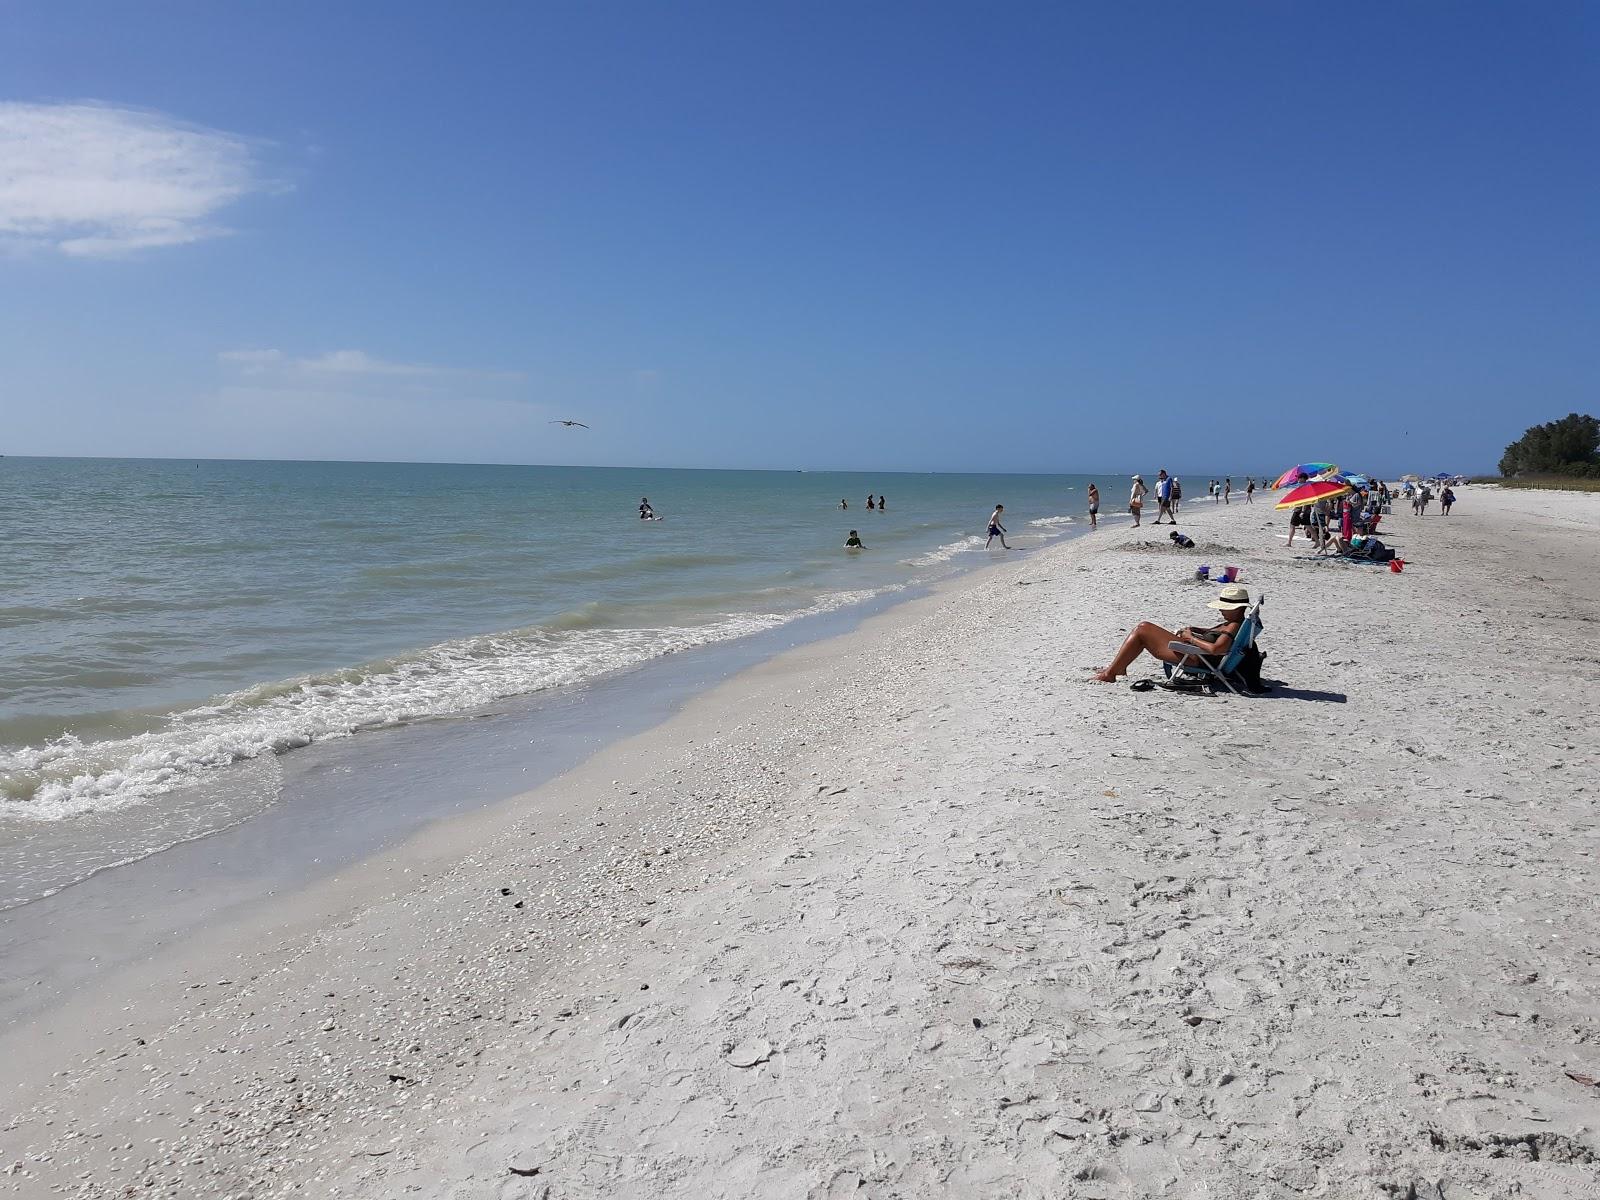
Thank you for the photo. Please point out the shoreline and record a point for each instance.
(344, 794)
(948, 861)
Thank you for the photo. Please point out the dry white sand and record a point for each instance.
(921, 912)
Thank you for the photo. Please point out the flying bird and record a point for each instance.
(570, 424)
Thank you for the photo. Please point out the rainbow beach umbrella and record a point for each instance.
(1310, 493)
(1306, 469)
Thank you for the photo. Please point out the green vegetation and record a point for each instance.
(1568, 449)
(1570, 483)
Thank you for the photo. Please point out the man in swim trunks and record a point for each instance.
(1164, 496)
(997, 530)
(1094, 506)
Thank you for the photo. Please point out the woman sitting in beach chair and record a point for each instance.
(1150, 638)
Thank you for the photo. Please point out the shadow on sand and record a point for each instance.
(1280, 692)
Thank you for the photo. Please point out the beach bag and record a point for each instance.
(1249, 669)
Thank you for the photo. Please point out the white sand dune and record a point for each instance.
(922, 912)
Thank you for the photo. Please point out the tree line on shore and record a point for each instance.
(1568, 448)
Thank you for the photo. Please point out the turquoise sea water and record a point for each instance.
(161, 621)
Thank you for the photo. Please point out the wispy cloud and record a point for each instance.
(345, 366)
(94, 181)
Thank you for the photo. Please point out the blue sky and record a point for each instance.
(977, 237)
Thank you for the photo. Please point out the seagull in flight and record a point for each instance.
(570, 424)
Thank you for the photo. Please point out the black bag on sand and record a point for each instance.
(1249, 669)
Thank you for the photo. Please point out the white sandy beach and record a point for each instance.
(920, 911)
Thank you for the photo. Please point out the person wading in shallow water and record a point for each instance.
(997, 530)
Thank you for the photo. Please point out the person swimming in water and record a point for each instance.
(883, 504)
(843, 504)
(646, 513)
(854, 542)
(871, 504)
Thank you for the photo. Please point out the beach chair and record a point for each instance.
(1196, 669)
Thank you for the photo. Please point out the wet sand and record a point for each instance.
(921, 911)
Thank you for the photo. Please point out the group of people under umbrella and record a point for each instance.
(1339, 511)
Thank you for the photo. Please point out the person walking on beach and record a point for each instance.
(1299, 518)
(1250, 491)
(1136, 498)
(1227, 490)
(1094, 506)
(1446, 499)
(1177, 495)
(997, 530)
(1164, 496)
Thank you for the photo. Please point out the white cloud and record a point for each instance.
(94, 181)
(346, 366)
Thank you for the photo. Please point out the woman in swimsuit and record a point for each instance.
(1150, 638)
(1094, 506)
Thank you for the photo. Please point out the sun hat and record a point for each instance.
(1140, 478)
(1235, 595)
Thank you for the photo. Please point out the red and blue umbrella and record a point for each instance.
(1310, 493)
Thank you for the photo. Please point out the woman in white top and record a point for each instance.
(1136, 498)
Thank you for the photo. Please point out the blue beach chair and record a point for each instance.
(1196, 669)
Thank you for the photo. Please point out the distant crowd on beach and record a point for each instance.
(1169, 496)
(1353, 515)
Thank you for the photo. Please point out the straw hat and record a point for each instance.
(1235, 595)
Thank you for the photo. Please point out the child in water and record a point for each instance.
(853, 542)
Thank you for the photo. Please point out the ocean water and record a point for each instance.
(170, 629)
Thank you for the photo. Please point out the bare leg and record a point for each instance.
(1147, 637)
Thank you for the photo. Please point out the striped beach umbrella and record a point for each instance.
(1306, 469)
